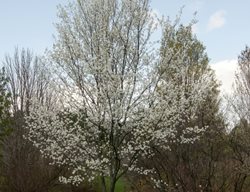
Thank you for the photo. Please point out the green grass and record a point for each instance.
(120, 185)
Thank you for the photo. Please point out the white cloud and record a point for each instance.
(225, 73)
(216, 20)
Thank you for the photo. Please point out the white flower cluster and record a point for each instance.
(125, 100)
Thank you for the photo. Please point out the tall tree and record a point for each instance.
(115, 109)
(188, 166)
(23, 166)
(239, 137)
(241, 100)
(5, 104)
(5, 116)
(29, 78)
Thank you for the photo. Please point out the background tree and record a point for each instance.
(240, 104)
(190, 166)
(5, 116)
(239, 143)
(239, 137)
(23, 166)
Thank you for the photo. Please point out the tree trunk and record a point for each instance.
(112, 184)
(104, 188)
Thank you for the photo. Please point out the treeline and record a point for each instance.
(108, 109)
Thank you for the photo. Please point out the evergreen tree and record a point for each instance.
(4, 105)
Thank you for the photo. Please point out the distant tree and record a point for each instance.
(189, 166)
(29, 78)
(122, 105)
(23, 166)
(241, 99)
(239, 136)
(5, 116)
(240, 145)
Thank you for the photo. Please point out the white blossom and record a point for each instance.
(118, 105)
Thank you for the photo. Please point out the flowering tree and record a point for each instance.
(183, 63)
(118, 105)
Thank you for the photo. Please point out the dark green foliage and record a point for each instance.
(4, 106)
(5, 117)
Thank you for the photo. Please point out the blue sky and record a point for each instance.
(222, 26)
(27, 23)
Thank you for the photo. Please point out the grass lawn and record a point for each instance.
(120, 185)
